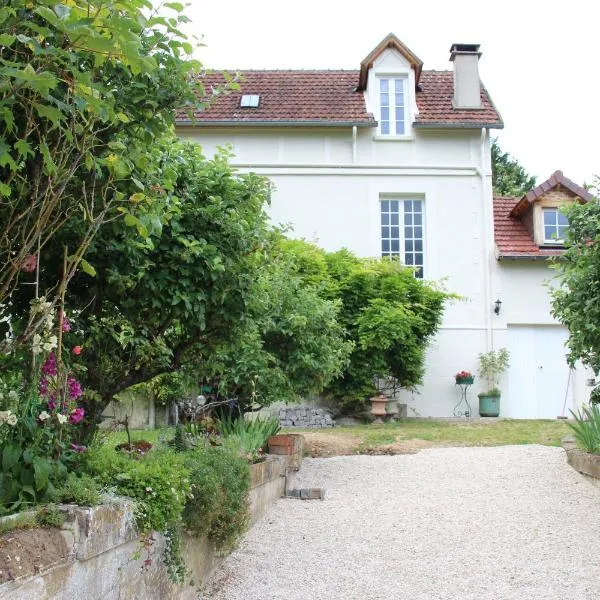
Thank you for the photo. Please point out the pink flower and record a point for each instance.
(49, 366)
(78, 448)
(52, 403)
(74, 388)
(77, 416)
(29, 263)
(77, 350)
(66, 325)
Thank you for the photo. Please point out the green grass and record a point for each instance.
(479, 433)
(151, 435)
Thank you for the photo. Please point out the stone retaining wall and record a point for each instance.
(304, 416)
(584, 462)
(97, 555)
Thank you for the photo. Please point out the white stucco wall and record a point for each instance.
(328, 187)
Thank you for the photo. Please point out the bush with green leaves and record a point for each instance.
(37, 452)
(576, 293)
(50, 516)
(587, 428)
(389, 315)
(158, 483)
(218, 505)
(80, 489)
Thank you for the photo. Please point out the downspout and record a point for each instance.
(486, 216)
(354, 132)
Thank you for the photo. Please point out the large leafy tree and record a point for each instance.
(509, 178)
(204, 286)
(86, 89)
(291, 343)
(576, 302)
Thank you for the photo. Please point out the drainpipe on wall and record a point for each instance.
(354, 132)
(486, 216)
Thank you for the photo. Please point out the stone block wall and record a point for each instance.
(305, 417)
(98, 555)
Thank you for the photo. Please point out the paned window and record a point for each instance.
(402, 234)
(555, 225)
(392, 106)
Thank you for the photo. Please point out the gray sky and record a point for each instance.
(539, 63)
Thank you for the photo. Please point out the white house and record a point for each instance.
(395, 160)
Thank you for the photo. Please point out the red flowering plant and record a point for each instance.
(41, 439)
(464, 378)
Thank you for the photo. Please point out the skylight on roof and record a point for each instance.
(250, 101)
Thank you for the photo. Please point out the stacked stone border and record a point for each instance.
(98, 554)
(305, 417)
(584, 462)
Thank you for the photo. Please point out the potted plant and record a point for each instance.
(491, 366)
(464, 378)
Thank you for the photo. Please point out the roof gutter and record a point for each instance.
(458, 125)
(527, 257)
(225, 123)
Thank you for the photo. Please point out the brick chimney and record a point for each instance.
(467, 88)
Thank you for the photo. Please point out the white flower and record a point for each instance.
(37, 344)
(12, 395)
(12, 420)
(62, 419)
(4, 414)
(51, 343)
(148, 489)
(43, 416)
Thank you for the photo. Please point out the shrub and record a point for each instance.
(218, 505)
(50, 516)
(158, 483)
(587, 428)
(82, 490)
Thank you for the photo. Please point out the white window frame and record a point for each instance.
(555, 240)
(398, 244)
(392, 82)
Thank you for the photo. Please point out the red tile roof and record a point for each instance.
(434, 99)
(290, 97)
(557, 178)
(331, 97)
(511, 236)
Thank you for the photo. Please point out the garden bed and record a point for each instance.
(99, 555)
(586, 463)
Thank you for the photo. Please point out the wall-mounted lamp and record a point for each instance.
(497, 306)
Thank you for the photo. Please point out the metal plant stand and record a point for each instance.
(463, 408)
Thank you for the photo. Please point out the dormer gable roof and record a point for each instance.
(389, 41)
(557, 178)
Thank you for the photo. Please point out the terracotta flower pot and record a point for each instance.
(378, 406)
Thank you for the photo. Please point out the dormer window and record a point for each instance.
(392, 106)
(555, 226)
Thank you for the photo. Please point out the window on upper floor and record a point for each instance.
(392, 106)
(555, 226)
(402, 233)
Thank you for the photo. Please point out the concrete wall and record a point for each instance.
(98, 555)
(140, 409)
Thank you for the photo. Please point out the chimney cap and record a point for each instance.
(464, 49)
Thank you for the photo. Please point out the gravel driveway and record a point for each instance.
(513, 522)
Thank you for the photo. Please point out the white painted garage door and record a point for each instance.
(538, 374)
